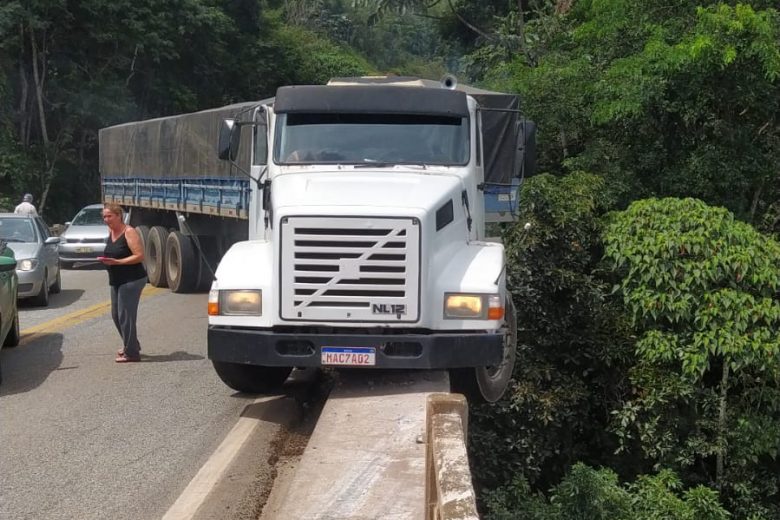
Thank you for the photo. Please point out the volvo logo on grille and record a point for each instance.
(388, 308)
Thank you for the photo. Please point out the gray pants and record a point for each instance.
(124, 310)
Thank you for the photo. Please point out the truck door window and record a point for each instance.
(371, 138)
(261, 145)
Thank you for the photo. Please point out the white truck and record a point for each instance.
(348, 221)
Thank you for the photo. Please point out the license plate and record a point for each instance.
(349, 356)
(83, 249)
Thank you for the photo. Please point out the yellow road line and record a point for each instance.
(80, 316)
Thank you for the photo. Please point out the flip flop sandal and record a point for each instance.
(126, 359)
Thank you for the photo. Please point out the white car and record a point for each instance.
(84, 238)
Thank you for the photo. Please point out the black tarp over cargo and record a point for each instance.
(182, 146)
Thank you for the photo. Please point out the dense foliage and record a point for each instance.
(702, 291)
(572, 340)
(590, 494)
(68, 69)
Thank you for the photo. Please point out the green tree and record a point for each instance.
(703, 292)
(662, 98)
(590, 494)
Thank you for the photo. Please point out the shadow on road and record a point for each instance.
(179, 355)
(87, 266)
(56, 301)
(27, 366)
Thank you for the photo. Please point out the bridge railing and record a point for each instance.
(449, 494)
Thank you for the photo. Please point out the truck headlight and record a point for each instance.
(236, 303)
(28, 264)
(460, 306)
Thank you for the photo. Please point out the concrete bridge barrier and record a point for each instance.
(449, 494)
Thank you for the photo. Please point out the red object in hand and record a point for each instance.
(101, 258)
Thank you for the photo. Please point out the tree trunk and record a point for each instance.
(39, 78)
(521, 34)
(754, 204)
(48, 178)
(720, 456)
(24, 113)
(49, 150)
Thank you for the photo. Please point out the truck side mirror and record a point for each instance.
(525, 149)
(229, 139)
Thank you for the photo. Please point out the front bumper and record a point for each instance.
(425, 351)
(30, 282)
(80, 251)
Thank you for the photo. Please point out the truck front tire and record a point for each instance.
(251, 379)
(488, 384)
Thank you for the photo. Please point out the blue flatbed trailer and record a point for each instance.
(208, 196)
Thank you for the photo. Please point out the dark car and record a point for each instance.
(37, 260)
(9, 314)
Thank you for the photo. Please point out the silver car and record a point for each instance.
(37, 261)
(84, 239)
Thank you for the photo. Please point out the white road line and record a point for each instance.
(207, 477)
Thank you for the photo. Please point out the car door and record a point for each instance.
(7, 296)
(48, 251)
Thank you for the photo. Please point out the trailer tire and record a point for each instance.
(155, 256)
(182, 263)
(252, 379)
(143, 234)
(488, 384)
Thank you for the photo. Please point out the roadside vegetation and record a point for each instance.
(648, 282)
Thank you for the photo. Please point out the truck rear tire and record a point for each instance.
(488, 384)
(252, 379)
(182, 263)
(155, 256)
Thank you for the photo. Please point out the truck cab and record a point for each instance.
(367, 243)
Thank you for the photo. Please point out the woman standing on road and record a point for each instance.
(127, 277)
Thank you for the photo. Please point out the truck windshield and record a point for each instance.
(371, 138)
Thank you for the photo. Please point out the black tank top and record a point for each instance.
(121, 274)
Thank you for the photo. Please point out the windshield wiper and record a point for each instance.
(12, 240)
(373, 164)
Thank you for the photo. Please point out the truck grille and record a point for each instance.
(350, 269)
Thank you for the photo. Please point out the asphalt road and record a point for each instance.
(84, 437)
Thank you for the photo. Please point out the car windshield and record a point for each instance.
(371, 139)
(89, 217)
(17, 230)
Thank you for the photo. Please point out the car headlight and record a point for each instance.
(236, 303)
(459, 306)
(28, 264)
